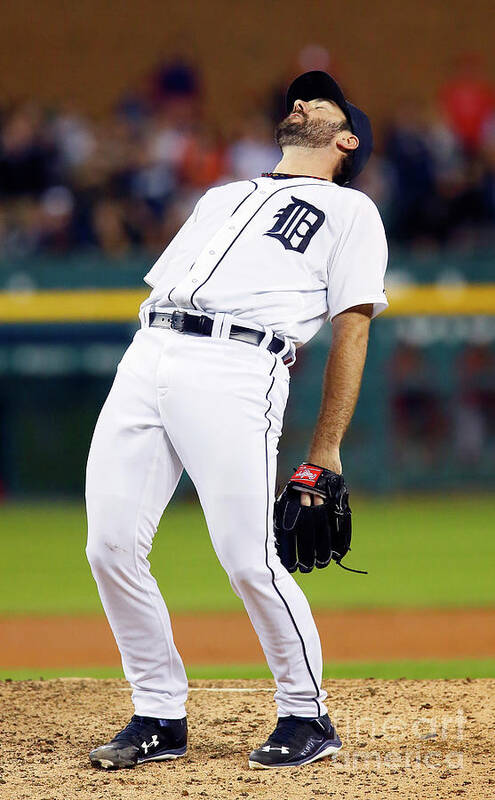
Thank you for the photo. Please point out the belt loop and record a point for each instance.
(266, 338)
(144, 316)
(218, 324)
(286, 350)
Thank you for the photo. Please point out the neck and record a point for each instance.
(307, 161)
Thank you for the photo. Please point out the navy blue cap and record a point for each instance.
(311, 85)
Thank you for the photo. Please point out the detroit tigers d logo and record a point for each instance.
(296, 224)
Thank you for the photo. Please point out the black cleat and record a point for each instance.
(296, 741)
(144, 739)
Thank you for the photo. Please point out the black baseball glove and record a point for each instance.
(308, 536)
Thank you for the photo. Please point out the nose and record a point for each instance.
(299, 105)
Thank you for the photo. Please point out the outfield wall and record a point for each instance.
(424, 420)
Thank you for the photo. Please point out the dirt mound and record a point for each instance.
(404, 739)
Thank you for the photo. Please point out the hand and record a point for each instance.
(333, 463)
(308, 537)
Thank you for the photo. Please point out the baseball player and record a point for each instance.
(252, 275)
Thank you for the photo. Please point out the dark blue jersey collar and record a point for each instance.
(278, 175)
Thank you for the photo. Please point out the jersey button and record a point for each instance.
(212, 252)
(231, 227)
(262, 191)
(194, 280)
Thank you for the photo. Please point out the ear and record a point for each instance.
(347, 141)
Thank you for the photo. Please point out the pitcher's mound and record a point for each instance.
(402, 739)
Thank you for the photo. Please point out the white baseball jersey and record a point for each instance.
(283, 252)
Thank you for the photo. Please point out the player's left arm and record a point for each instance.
(308, 537)
(341, 384)
(355, 295)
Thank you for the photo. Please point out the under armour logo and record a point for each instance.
(296, 225)
(284, 750)
(154, 743)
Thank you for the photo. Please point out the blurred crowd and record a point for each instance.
(432, 416)
(68, 182)
(434, 176)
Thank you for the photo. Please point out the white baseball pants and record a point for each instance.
(215, 407)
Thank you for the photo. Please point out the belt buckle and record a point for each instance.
(178, 321)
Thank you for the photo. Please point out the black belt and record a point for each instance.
(183, 322)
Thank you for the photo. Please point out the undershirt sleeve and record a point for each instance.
(358, 262)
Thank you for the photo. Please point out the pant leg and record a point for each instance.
(132, 473)
(226, 435)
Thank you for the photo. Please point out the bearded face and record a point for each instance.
(304, 132)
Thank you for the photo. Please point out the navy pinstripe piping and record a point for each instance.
(245, 198)
(284, 601)
(282, 189)
(235, 209)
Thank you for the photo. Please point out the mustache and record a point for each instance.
(288, 121)
(298, 111)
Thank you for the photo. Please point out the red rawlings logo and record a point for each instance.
(307, 475)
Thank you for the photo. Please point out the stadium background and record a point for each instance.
(112, 123)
